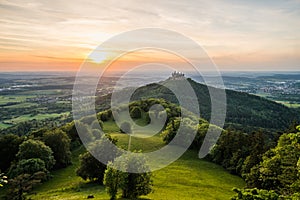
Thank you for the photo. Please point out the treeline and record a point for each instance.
(28, 160)
(25, 128)
(269, 168)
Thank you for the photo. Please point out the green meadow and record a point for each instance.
(187, 178)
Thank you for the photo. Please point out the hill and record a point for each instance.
(187, 178)
(244, 111)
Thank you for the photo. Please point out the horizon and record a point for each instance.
(237, 35)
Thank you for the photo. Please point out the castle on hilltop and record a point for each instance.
(177, 76)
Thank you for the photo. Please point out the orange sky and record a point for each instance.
(39, 35)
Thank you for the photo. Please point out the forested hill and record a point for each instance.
(244, 111)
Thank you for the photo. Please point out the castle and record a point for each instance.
(177, 76)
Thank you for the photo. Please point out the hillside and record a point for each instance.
(244, 110)
(187, 178)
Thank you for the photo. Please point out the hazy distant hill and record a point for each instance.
(244, 111)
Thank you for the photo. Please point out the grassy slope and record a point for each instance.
(187, 178)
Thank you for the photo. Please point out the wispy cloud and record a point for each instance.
(229, 30)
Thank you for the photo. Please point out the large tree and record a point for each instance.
(9, 147)
(36, 149)
(22, 184)
(132, 185)
(59, 142)
(92, 169)
(29, 166)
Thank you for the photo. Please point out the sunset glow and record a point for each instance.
(97, 57)
(238, 35)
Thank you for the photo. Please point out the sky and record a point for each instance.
(58, 35)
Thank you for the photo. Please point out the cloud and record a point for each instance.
(231, 27)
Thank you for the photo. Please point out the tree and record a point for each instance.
(132, 185)
(92, 169)
(86, 135)
(104, 115)
(29, 166)
(231, 150)
(9, 147)
(125, 127)
(135, 112)
(22, 184)
(111, 180)
(254, 194)
(72, 133)
(36, 149)
(257, 149)
(170, 131)
(278, 169)
(59, 143)
(296, 186)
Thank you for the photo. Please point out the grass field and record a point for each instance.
(24, 118)
(14, 99)
(22, 105)
(2, 126)
(286, 103)
(290, 105)
(186, 179)
(44, 92)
